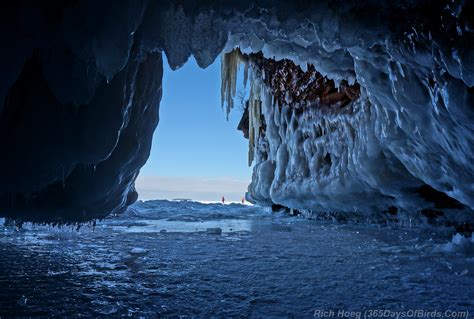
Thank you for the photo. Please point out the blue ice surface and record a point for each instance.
(168, 258)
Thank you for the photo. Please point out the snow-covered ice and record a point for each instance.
(276, 266)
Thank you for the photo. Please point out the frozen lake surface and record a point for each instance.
(192, 259)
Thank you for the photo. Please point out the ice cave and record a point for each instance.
(358, 119)
(358, 110)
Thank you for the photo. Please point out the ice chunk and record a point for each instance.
(459, 244)
(138, 251)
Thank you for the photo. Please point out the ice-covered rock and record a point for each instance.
(459, 244)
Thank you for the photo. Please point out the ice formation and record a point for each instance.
(230, 66)
(229, 69)
(81, 86)
(458, 244)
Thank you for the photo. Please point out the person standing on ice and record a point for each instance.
(243, 200)
(223, 200)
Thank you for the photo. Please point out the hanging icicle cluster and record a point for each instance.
(230, 64)
(287, 84)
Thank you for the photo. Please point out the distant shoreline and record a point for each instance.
(197, 201)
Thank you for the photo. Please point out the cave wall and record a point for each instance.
(79, 110)
(81, 83)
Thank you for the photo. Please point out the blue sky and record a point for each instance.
(194, 141)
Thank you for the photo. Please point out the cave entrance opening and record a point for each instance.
(197, 153)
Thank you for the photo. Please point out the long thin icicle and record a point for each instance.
(255, 114)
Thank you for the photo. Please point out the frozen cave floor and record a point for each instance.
(191, 259)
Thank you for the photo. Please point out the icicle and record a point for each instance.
(246, 73)
(230, 63)
(255, 115)
(251, 135)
